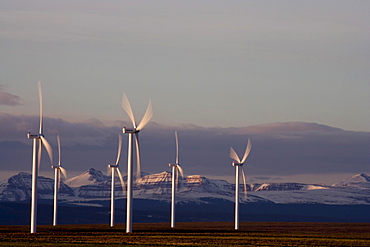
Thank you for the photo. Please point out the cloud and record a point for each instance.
(289, 149)
(9, 99)
(92, 132)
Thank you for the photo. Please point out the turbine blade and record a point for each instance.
(138, 161)
(59, 154)
(109, 170)
(64, 172)
(233, 155)
(119, 148)
(147, 116)
(40, 98)
(245, 184)
(48, 148)
(177, 148)
(180, 170)
(121, 179)
(247, 151)
(127, 107)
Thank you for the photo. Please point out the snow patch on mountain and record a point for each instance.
(332, 196)
(316, 187)
(286, 187)
(163, 177)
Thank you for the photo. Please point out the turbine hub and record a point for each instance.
(130, 130)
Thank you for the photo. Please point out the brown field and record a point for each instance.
(192, 234)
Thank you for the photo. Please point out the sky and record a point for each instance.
(209, 67)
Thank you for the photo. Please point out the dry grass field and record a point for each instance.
(192, 234)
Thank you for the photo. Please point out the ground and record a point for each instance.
(192, 234)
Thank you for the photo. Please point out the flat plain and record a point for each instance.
(191, 234)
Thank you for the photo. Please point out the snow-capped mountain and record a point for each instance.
(193, 188)
(361, 181)
(18, 188)
(89, 177)
(94, 185)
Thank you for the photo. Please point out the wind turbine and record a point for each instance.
(112, 169)
(38, 141)
(57, 170)
(131, 131)
(176, 168)
(239, 163)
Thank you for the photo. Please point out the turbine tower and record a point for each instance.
(239, 163)
(176, 168)
(112, 169)
(131, 131)
(38, 141)
(57, 170)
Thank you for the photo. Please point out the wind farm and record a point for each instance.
(133, 134)
(290, 78)
(187, 183)
(198, 188)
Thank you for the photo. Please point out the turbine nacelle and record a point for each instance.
(173, 164)
(130, 130)
(236, 164)
(112, 166)
(34, 136)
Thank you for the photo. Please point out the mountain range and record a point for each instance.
(94, 185)
(85, 199)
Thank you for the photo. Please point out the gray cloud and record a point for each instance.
(284, 150)
(8, 98)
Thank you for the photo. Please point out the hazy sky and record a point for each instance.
(206, 63)
(209, 63)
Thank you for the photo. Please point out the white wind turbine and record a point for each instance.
(130, 131)
(176, 168)
(57, 170)
(239, 163)
(38, 141)
(112, 169)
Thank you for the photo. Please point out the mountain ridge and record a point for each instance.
(94, 185)
(359, 181)
(88, 177)
(287, 127)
